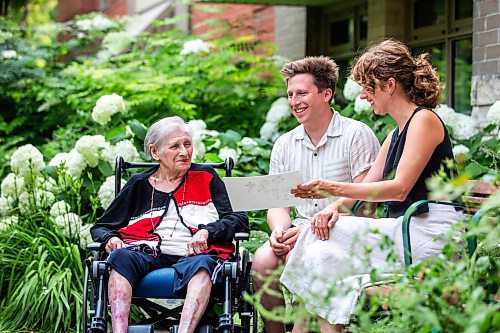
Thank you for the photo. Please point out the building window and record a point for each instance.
(443, 28)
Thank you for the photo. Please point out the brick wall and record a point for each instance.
(485, 88)
(67, 9)
(246, 19)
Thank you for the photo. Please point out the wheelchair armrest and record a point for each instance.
(240, 236)
(96, 246)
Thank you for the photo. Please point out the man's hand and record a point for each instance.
(114, 243)
(276, 241)
(290, 237)
(198, 243)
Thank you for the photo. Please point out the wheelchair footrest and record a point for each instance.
(199, 329)
(141, 329)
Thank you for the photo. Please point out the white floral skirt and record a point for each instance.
(329, 275)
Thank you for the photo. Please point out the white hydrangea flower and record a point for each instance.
(99, 22)
(38, 199)
(115, 42)
(248, 143)
(362, 105)
(59, 159)
(447, 114)
(76, 163)
(268, 130)
(464, 128)
(5, 35)
(12, 185)
(229, 152)
(6, 204)
(279, 110)
(127, 150)
(124, 148)
(9, 54)
(6, 222)
(493, 114)
(60, 207)
(195, 46)
(89, 147)
(352, 90)
(199, 149)
(198, 126)
(70, 224)
(211, 133)
(26, 160)
(459, 150)
(106, 106)
(85, 236)
(106, 192)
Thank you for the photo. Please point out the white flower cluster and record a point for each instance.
(493, 114)
(226, 152)
(9, 54)
(6, 205)
(106, 192)
(99, 23)
(85, 236)
(124, 148)
(73, 162)
(362, 105)
(27, 160)
(352, 90)
(38, 198)
(70, 224)
(460, 150)
(462, 126)
(5, 36)
(195, 46)
(89, 146)
(279, 110)
(106, 106)
(115, 42)
(59, 208)
(6, 222)
(12, 185)
(199, 129)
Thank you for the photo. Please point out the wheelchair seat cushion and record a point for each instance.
(164, 276)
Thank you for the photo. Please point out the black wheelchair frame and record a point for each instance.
(236, 281)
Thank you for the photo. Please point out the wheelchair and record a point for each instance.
(158, 285)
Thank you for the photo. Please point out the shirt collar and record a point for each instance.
(334, 129)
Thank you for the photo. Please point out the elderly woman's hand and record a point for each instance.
(114, 243)
(315, 189)
(198, 243)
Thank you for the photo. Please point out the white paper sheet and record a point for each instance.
(263, 192)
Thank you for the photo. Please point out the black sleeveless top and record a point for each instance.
(419, 191)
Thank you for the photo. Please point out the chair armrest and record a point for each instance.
(240, 236)
(96, 246)
(354, 210)
(406, 224)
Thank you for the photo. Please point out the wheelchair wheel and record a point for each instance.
(90, 302)
(249, 319)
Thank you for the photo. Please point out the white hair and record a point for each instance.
(161, 129)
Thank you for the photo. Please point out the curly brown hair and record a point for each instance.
(323, 69)
(391, 58)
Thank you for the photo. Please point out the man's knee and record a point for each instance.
(265, 260)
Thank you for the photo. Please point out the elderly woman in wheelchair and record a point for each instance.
(175, 215)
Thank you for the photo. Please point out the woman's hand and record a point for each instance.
(315, 189)
(198, 243)
(324, 220)
(114, 243)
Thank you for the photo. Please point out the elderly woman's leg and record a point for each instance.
(197, 297)
(120, 296)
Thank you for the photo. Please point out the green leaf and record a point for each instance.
(105, 168)
(138, 128)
